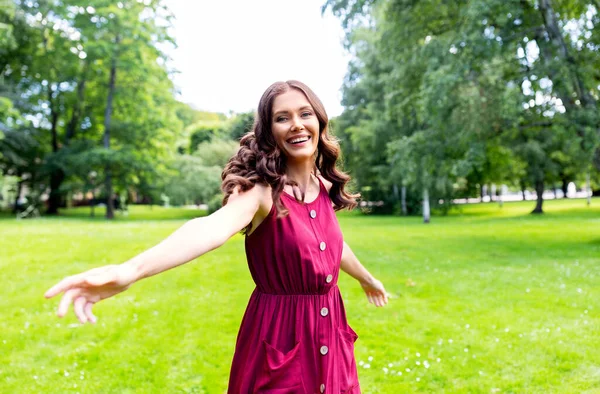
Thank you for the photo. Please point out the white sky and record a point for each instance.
(230, 51)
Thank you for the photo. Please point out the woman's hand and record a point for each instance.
(89, 287)
(375, 292)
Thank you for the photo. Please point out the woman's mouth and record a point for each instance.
(299, 141)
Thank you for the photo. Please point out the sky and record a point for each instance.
(230, 51)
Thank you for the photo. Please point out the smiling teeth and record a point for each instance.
(299, 140)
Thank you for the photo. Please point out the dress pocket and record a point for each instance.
(348, 375)
(281, 372)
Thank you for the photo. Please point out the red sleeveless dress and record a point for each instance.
(294, 337)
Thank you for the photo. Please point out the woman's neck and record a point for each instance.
(301, 174)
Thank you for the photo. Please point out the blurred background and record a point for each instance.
(478, 117)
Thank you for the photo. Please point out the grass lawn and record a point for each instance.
(485, 300)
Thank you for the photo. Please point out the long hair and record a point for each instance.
(260, 160)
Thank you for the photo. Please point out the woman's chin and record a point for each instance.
(300, 156)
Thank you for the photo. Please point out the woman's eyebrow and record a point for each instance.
(285, 111)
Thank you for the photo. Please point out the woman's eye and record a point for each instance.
(306, 114)
(281, 119)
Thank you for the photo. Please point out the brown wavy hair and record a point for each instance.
(260, 160)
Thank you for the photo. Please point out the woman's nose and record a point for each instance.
(297, 123)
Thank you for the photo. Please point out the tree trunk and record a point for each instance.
(426, 212)
(403, 200)
(500, 196)
(539, 189)
(588, 188)
(110, 207)
(523, 190)
(17, 196)
(56, 175)
(396, 194)
(564, 187)
(481, 193)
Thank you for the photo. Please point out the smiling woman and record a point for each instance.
(294, 337)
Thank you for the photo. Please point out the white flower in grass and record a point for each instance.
(35, 377)
(438, 359)
(450, 341)
(418, 363)
(367, 365)
(385, 370)
(66, 373)
(407, 369)
(467, 326)
(390, 365)
(370, 358)
(361, 362)
(466, 350)
(418, 354)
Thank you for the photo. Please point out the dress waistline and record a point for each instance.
(327, 291)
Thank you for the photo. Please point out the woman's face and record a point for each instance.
(295, 125)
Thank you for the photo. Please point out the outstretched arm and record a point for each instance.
(373, 288)
(193, 239)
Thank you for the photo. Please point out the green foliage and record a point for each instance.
(240, 124)
(196, 178)
(449, 96)
(204, 131)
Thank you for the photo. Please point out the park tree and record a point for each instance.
(84, 69)
(483, 91)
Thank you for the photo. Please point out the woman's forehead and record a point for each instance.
(291, 100)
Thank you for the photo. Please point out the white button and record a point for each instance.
(329, 278)
(313, 213)
(324, 312)
(322, 388)
(322, 246)
(324, 350)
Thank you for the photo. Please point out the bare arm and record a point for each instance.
(193, 239)
(198, 236)
(373, 288)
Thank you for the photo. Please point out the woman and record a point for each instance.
(281, 188)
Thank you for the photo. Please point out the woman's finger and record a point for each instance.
(65, 301)
(377, 301)
(66, 283)
(370, 297)
(78, 309)
(88, 312)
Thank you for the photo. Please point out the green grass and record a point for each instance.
(508, 302)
